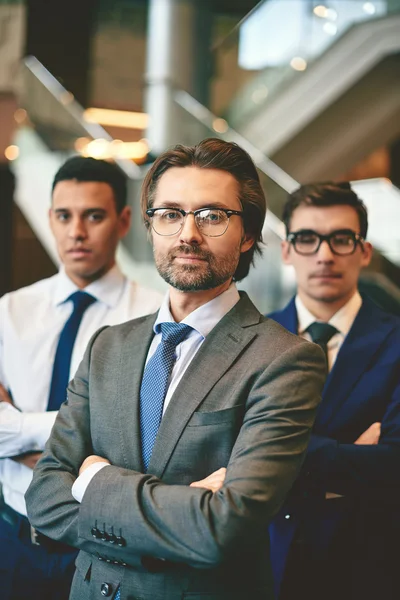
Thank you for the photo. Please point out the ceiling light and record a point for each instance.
(369, 8)
(320, 11)
(116, 149)
(81, 143)
(220, 125)
(298, 64)
(259, 94)
(331, 14)
(66, 98)
(11, 152)
(20, 115)
(117, 118)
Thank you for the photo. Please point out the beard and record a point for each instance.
(211, 273)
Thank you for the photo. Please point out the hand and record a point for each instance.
(371, 436)
(213, 482)
(29, 460)
(91, 460)
(4, 395)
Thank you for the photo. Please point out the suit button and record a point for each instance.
(120, 541)
(106, 589)
(95, 532)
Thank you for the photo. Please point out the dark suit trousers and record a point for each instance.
(31, 571)
(358, 563)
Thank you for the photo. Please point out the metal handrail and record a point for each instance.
(220, 43)
(76, 111)
(263, 163)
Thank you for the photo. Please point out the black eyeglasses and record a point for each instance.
(341, 242)
(212, 222)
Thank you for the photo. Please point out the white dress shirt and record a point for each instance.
(202, 320)
(343, 320)
(31, 320)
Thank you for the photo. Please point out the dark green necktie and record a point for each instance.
(321, 333)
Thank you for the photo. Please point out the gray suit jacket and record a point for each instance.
(247, 401)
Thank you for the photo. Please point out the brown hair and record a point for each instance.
(214, 153)
(328, 193)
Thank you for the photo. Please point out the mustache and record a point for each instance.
(189, 249)
(325, 273)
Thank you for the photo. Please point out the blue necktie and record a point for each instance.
(62, 360)
(155, 384)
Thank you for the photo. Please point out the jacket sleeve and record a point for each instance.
(174, 522)
(354, 469)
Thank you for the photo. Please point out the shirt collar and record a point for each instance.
(204, 318)
(107, 289)
(342, 319)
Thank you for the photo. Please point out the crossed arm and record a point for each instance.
(213, 482)
(198, 524)
(29, 459)
(369, 464)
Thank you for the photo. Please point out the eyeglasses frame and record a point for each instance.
(357, 238)
(229, 213)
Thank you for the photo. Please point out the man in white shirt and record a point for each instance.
(183, 432)
(88, 216)
(333, 537)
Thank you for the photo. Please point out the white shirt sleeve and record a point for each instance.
(79, 488)
(21, 431)
(2, 374)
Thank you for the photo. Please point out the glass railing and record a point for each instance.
(276, 44)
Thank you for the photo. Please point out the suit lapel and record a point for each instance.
(358, 352)
(216, 355)
(133, 358)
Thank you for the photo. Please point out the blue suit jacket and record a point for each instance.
(363, 387)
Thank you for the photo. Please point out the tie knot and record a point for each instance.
(174, 333)
(81, 301)
(321, 333)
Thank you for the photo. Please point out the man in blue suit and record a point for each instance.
(337, 535)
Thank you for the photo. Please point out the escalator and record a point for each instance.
(325, 92)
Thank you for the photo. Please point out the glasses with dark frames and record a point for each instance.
(212, 222)
(342, 242)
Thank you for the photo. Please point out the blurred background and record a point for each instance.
(311, 89)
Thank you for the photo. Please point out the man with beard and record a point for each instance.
(183, 431)
(340, 540)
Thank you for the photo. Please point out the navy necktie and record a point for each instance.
(321, 333)
(155, 384)
(62, 360)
